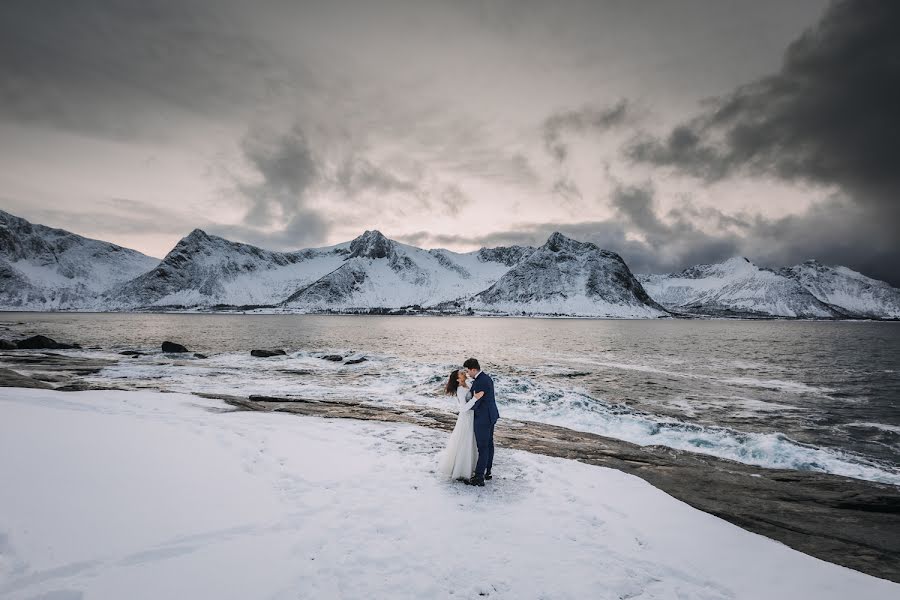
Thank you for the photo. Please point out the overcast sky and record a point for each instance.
(673, 132)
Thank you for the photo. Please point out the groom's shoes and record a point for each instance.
(488, 476)
(476, 480)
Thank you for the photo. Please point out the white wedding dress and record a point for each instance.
(458, 459)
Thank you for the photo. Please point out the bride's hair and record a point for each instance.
(452, 383)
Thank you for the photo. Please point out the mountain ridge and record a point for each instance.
(43, 268)
(47, 268)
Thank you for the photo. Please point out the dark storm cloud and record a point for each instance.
(831, 231)
(566, 188)
(588, 118)
(835, 231)
(829, 117)
(666, 246)
(675, 242)
(358, 176)
(279, 215)
(287, 169)
(106, 67)
(305, 229)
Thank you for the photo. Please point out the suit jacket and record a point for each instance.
(485, 409)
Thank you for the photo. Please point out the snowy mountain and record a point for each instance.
(736, 288)
(381, 273)
(851, 292)
(567, 277)
(205, 270)
(42, 268)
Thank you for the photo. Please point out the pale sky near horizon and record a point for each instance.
(671, 132)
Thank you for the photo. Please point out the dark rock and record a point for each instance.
(267, 353)
(333, 357)
(41, 342)
(131, 353)
(83, 386)
(371, 244)
(356, 361)
(7, 345)
(172, 347)
(30, 367)
(46, 362)
(9, 378)
(198, 355)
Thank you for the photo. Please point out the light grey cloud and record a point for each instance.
(566, 189)
(102, 218)
(584, 120)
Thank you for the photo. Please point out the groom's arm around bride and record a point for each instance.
(486, 415)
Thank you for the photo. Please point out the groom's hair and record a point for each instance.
(472, 363)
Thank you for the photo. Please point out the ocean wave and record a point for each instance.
(778, 384)
(577, 409)
(551, 399)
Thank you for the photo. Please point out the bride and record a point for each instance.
(457, 461)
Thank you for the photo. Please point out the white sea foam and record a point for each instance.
(778, 384)
(578, 410)
(547, 399)
(881, 426)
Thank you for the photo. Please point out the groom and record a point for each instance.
(486, 416)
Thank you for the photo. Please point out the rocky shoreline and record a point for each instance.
(846, 521)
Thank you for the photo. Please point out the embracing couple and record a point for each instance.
(469, 454)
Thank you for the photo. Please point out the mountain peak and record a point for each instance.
(371, 244)
(735, 263)
(558, 242)
(197, 234)
(812, 263)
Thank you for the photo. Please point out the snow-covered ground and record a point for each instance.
(150, 495)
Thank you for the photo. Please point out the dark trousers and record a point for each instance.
(484, 439)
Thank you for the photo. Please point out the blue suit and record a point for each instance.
(486, 416)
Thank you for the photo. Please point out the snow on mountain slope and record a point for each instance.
(382, 273)
(205, 270)
(851, 292)
(567, 277)
(42, 268)
(735, 287)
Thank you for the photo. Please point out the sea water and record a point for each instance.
(807, 395)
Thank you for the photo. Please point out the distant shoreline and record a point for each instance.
(427, 313)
